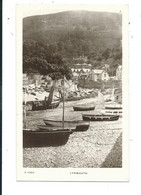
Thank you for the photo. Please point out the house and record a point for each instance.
(119, 72)
(99, 75)
(81, 58)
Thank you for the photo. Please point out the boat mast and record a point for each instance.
(63, 102)
(25, 124)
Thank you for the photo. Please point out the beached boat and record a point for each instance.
(51, 128)
(43, 105)
(42, 138)
(72, 98)
(83, 107)
(46, 137)
(79, 125)
(93, 117)
(113, 107)
(112, 112)
(47, 103)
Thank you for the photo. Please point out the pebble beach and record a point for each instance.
(98, 147)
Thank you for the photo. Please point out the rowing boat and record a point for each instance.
(83, 108)
(52, 128)
(42, 105)
(42, 138)
(92, 117)
(113, 107)
(112, 112)
(79, 125)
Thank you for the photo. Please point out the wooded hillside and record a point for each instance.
(51, 41)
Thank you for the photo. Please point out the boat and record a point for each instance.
(47, 103)
(113, 107)
(72, 99)
(83, 107)
(46, 137)
(43, 105)
(100, 100)
(112, 112)
(100, 117)
(51, 128)
(79, 125)
(42, 138)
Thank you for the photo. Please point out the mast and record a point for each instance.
(25, 124)
(50, 97)
(63, 103)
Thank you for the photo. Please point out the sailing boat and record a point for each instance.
(44, 138)
(76, 125)
(113, 108)
(100, 117)
(100, 101)
(47, 102)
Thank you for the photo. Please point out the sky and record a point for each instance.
(30, 10)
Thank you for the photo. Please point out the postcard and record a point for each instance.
(72, 92)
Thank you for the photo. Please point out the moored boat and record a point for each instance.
(42, 138)
(93, 117)
(83, 107)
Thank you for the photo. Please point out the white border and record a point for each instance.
(10, 186)
(63, 174)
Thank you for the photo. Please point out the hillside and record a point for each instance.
(96, 35)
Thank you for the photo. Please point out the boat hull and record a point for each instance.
(100, 117)
(43, 138)
(111, 112)
(83, 108)
(52, 128)
(113, 108)
(78, 125)
(41, 105)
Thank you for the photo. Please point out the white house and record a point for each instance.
(119, 72)
(80, 70)
(98, 74)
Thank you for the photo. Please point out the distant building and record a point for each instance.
(80, 72)
(81, 58)
(119, 72)
(81, 68)
(98, 75)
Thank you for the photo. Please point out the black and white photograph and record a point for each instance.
(72, 92)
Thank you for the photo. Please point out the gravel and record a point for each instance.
(100, 146)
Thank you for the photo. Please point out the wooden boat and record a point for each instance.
(93, 117)
(79, 125)
(47, 103)
(42, 138)
(112, 112)
(52, 128)
(72, 99)
(113, 107)
(42, 105)
(46, 137)
(83, 108)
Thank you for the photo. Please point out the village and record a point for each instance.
(85, 82)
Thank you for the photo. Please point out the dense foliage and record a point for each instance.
(52, 41)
